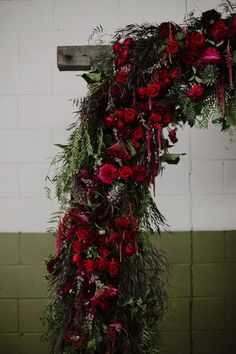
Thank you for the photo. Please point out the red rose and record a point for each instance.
(165, 28)
(103, 252)
(76, 259)
(124, 54)
(89, 265)
(138, 133)
(122, 222)
(211, 55)
(125, 172)
(130, 114)
(129, 249)
(172, 136)
(195, 92)
(100, 264)
(108, 173)
(153, 90)
(128, 42)
(114, 268)
(110, 121)
(141, 92)
(118, 150)
(155, 118)
(139, 173)
(220, 31)
(116, 47)
(83, 233)
(121, 77)
(78, 246)
(114, 238)
(175, 73)
(196, 39)
(173, 47)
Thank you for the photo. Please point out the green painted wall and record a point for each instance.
(202, 314)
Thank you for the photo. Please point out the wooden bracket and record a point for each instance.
(81, 58)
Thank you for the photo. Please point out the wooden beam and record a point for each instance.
(81, 58)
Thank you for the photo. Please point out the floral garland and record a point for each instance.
(108, 295)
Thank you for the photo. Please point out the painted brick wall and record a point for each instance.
(198, 194)
(202, 314)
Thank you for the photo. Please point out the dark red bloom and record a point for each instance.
(195, 92)
(83, 233)
(220, 31)
(128, 42)
(108, 173)
(122, 222)
(141, 92)
(130, 114)
(138, 133)
(139, 173)
(195, 40)
(118, 150)
(165, 29)
(155, 118)
(114, 268)
(116, 47)
(210, 17)
(173, 47)
(74, 338)
(130, 235)
(129, 249)
(89, 265)
(114, 238)
(100, 264)
(78, 246)
(121, 77)
(172, 136)
(167, 119)
(110, 121)
(153, 90)
(125, 172)
(103, 252)
(76, 259)
(175, 73)
(124, 54)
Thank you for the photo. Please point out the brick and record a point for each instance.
(214, 280)
(217, 342)
(178, 215)
(8, 315)
(176, 244)
(9, 180)
(166, 184)
(230, 245)
(25, 78)
(207, 177)
(133, 11)
(66, 82)
(178, 316)
(8, 108)
(231, 313)
(30, 145)
(24, 214)
(229, 176)
(208, 247)
(22, 282)
(9, 47)
(74, 14)
(32, 179)
(52, 111)
(35, 248)
(21, 15)
(23, 344)
(176, 342)
(214, 212)
(9, 248)
(208, 314)
(30, 312)
(180, 281)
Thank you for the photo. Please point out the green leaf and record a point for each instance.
(92, 77)
(179, 36)
(61, 146)
(92, 344)
(171, 159)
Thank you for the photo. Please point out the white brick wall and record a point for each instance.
(199, 193)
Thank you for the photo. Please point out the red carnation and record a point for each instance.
(114, 268)
(125, 172)
(220, 31)
(100, 264)
(121, 77)
(122, 222)
(129, 249)
(138, 133)
(89, 265)
(116, 47)
(130, 114)
(108, 173)
(128, 42)
(195, 92)
(83, 233)
(141, 92)
(153, 90)
(173, 47)
(211, 55)
(172, 136)
(139, 173)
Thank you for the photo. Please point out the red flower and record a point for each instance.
(139, 173)
(130, 114)
(108, 173)
(141, 92)
(78, 246)
(155, 118)
(129, 249)
(110, 121)
(121, 77)
(195, 92)
(100, 264)
(220, 31)
(173, 47)
(116, 47)
(89, 265)
(125, 172)
(74, 338)
(128, 42)
(129, 235)
(165, 28)
(122, 222)
(83, 233)
(124, 54)
(172, 136)
(103, 252)
(153, 90)
(175, 73)
(114, 238)
(211, 55)
(138, 133)
(118, 150)
(76, 259)
(114, 268)
(210, 17)
(196, 39)
(168, 118)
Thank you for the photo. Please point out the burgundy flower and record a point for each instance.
(116, 47)
(114, 238)
(100, 264)
(125, 172)
(165, 28)
(103, 252)
(139, 173)
(108, 173)
(121, 77)
(220, 31)
(110, 121)
(129, 249)
(196, 39)
(155, 118)
(141, 92)
(173, 47)
(128, 42)
(195, 92)
(114, 268)
(172, 136)
(210, 17)
(138, 133)
(89, 265)
(153, 90)
(211, 55)
(118, 150)
(130, 235)
(76, 259)
(130, 114)
(122, 222)
(83, 233)
(175, 73)
(124, 54)
(167, 119)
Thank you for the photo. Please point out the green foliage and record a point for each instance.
(209, 75)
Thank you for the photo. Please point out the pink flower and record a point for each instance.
(211, 55)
